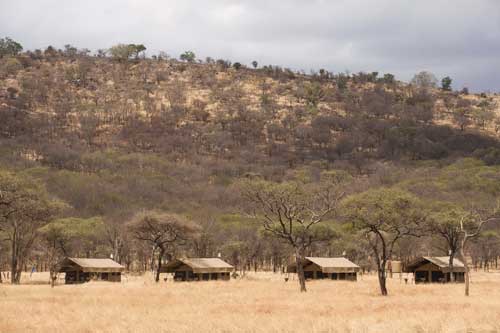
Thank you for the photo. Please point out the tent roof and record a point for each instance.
(199, 265)
(329, 265)
(93, 264)
(340, 262)
(441, 262)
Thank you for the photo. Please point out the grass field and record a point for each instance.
(262, 302)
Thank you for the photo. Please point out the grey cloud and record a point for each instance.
(448, 37)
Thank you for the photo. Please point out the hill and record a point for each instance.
(112, 135)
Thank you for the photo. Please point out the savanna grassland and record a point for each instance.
(262, 302)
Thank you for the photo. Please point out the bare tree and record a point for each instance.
(163, 231)
(295, 212)
(116, 237)
(470, 227)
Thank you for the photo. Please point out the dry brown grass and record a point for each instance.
(260, 303)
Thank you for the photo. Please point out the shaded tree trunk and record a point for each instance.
(382, 277)
(452, 257)
(15, 276)
(53, 277)
(467, 270)
(381, 261)
(299, 259)
(466, 266)
(160, 259)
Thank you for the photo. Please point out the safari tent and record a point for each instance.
(198, 269)
(80, 270)
(436, 269)
(327, 268)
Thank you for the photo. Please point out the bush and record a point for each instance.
(490, 156)
(11, 66)
(9, 47)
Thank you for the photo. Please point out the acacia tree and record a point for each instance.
(9, 47)
(123, 52)
(295, 212)
(24, 208)
(63, 237)
(163, 231)
(446, 83)
(384, 217)
(54, 240)
(188, 56)
(444, 221)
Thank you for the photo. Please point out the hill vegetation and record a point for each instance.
(114, 133)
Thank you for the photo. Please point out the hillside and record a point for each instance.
(111, 137)
(70, 111)
(271, 115)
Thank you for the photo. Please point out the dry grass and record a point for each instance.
(260, 303)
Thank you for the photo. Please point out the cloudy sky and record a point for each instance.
(459, 38)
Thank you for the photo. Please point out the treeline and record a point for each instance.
(115, 133)
(395, 213)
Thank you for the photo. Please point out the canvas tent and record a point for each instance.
(198, 269)
(327, 268)
(436, 269)
(79, 270)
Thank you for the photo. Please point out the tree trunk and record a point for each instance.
(452, 256)
(299, 259)
(53, 277)
(19, 271)
(382, 278)
(14, 278)
(160, 258)
(466, 266)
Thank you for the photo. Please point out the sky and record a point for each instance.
(456, 38)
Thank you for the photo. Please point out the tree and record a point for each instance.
(137, 49)
(63, 237)
(123, 52)
(313, 93)
(444, 221)
(10, 66)
(9, 47)
(388, 78)
(237, 65)
(164, 231)
(116, 238)
(255, 64)
(25, 206)
(54, 239)
(70, 51)
(120, 52)
(484, 113)
(384, 217)
(188, 56)
(425, 80)
(446, 83)
(462, 113)
(471, 225)
(295, 212)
